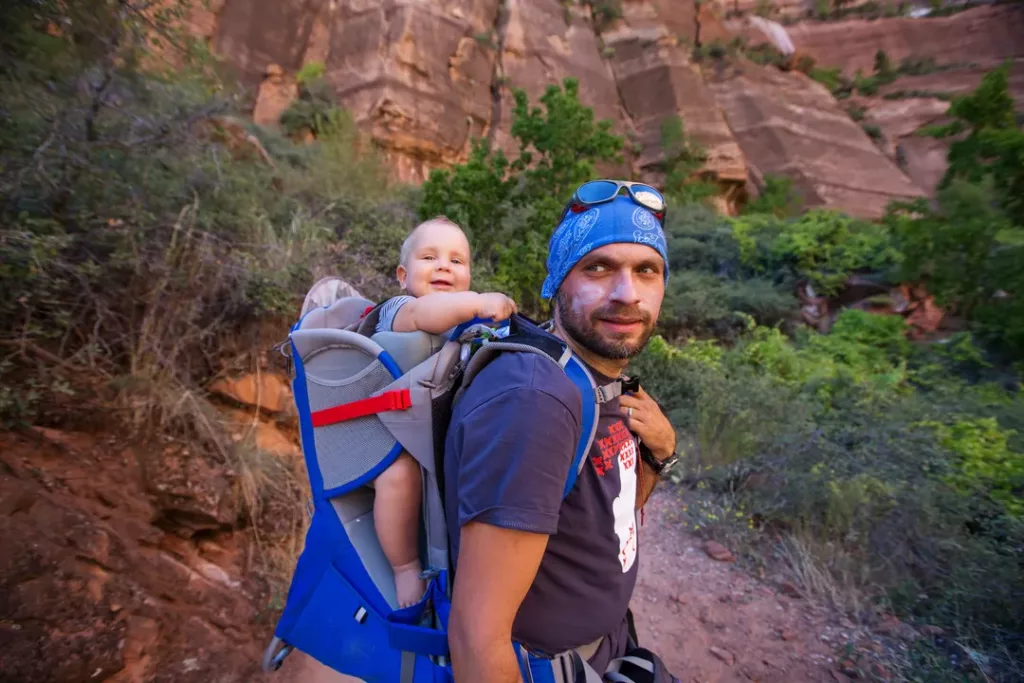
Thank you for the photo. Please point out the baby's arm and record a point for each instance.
(438, 312)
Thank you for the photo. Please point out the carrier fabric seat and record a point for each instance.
(342, 594)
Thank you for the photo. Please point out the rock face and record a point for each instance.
(111, 570)
(789, 125)
(657, 81)
(543, 42)
(983, 36)
(424, 78)
(967, 45)
(275, 94)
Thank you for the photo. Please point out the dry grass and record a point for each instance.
(825, 572)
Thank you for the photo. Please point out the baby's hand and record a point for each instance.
(496, 306)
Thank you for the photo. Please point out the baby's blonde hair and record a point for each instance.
(408, 243)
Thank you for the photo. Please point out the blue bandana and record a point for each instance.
(620, 220)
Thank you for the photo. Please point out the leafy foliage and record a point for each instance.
(823, 246)
(778, 198)
(144, 229)
(683, 158)
(907, 491)
(510, 208)
(994, 144)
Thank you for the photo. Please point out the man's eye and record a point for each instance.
(596, 267)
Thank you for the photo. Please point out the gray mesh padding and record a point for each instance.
(409, 349)
(348, 450)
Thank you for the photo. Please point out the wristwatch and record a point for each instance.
(660, 467)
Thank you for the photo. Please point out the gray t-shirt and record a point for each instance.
(388, 311)
(508, 452)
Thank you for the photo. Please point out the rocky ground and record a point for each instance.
(709, 620)
(129, 563)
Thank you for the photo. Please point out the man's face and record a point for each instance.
(609, 302)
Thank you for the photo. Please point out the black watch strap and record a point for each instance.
(659, 466)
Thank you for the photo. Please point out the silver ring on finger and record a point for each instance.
(629, 413)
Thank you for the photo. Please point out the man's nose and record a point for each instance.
(625, 290)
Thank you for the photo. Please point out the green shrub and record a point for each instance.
(823, 246)
(710, 287)
(985, 463)
(310, 72)
(604, 13)
(830, 78)
(142, 236)
(682, 160)
(778, 198)
(902, 493)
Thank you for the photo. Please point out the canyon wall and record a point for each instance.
(424, 78)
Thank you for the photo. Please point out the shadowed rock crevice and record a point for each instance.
(498, 74)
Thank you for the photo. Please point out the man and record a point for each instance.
(552, 575)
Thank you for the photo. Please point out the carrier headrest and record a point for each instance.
(342, 314)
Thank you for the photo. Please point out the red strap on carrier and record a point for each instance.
(389, 400)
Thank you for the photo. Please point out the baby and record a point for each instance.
(434, 270)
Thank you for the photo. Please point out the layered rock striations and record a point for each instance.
(984, 36)
(423, 78)
(789, 125)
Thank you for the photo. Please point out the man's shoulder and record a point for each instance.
(523, 376)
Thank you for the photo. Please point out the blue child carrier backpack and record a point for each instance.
(362, 397)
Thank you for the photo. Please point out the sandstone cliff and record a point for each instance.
(423, 78)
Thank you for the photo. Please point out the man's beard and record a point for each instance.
(583, 331)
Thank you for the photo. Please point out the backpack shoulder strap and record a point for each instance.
(526, 337)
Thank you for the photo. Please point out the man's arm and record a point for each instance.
(645, 486)
(438, 312)
(646, 419)
(496, 568)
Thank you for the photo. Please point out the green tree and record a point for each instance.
(994, 144)
(682, 160)
(778, 198)
(510, 208)
(883, 65)
(823, 246)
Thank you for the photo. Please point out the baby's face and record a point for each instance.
(438, 261)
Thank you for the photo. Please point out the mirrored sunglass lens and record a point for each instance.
(649, 197)
(597, 191)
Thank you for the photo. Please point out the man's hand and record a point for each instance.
(496, 568)
(645, 419)
(495, 306)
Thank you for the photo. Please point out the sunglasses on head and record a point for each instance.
(600, 191)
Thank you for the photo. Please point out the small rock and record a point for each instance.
(790, 589)
(879, 671)
(787, 634)
(724, 655)
(849, 668)
(679, 599)
(838, 676)
(932, 631)
(717, 551)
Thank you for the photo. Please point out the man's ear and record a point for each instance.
(401, 273)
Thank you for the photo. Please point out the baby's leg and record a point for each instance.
(396, 515)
